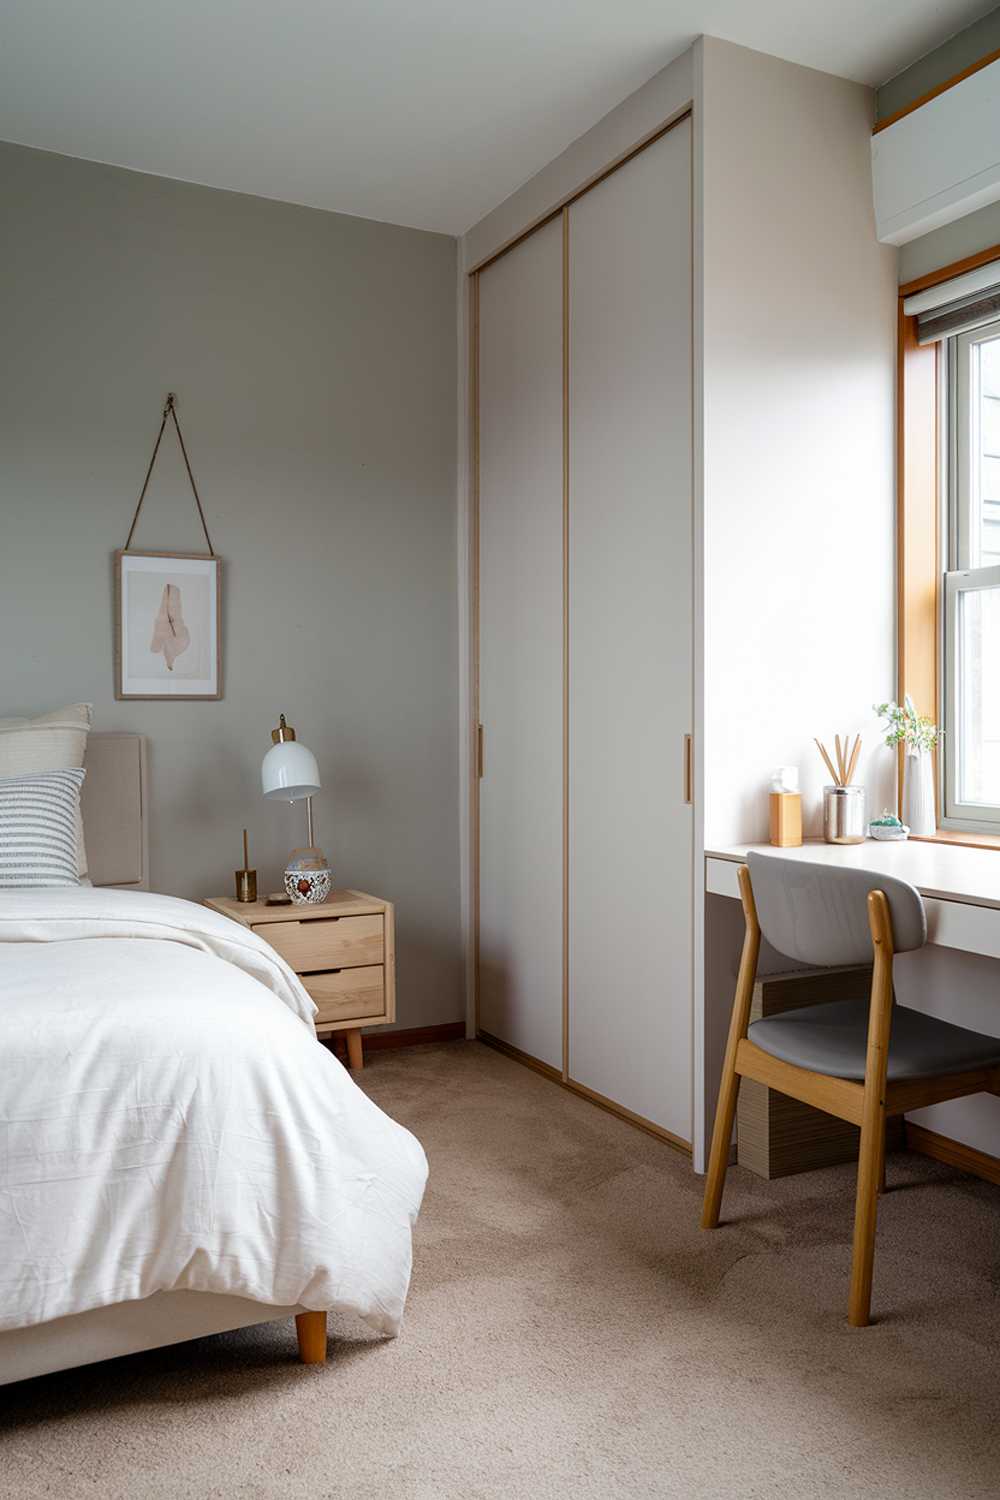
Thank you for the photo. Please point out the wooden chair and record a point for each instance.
(861, 1061)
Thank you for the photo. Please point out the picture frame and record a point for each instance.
(168, 626)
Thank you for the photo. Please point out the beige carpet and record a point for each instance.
(571, 1333)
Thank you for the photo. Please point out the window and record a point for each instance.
(971, 587)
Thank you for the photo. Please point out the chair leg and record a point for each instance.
(881, 1163)
(729, 1089)
(871, 1160)
(722, 1135)
(871, 1156)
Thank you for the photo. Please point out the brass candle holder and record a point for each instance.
(246, 879)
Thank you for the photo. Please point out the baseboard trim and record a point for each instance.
(917, 1137)
(380, 1041)
(415, 1036)
(953, 1153)
(582, 1092)
(639, 1121)
(516, 1055)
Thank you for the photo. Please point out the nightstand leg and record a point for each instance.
(311, 1329)
(355, 1053)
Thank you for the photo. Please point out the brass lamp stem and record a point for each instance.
(309, 818)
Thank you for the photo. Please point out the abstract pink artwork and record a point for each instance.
(170, 634)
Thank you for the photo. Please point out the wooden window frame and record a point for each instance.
(918, 521)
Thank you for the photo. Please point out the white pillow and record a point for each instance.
(55, 741)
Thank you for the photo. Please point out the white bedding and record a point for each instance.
(168, 1120)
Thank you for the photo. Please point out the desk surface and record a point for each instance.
(948, 872)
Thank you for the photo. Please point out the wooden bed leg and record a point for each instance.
(311, 1329)
(355, 1052)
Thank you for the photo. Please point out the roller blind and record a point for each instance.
(956, 306)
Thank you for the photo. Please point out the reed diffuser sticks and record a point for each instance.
(847, 759)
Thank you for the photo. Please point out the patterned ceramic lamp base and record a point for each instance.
(308, 878)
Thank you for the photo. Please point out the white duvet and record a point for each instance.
(168, 1120)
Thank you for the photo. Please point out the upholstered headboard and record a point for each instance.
(113, 804)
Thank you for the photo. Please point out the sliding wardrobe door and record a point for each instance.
(520, 479)
(630, 635)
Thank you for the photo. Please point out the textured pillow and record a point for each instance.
(38, 830)
(55, 741)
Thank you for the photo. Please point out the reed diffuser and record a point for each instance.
(843, 802)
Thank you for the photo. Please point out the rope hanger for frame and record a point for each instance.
(170, 410)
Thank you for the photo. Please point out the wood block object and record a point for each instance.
(778, 1136)
(786, 819)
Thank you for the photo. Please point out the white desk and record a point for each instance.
(961, 887)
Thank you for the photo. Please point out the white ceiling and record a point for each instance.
(420, 112)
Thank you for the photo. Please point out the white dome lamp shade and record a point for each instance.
(289, 773)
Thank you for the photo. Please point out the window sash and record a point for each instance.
(957, 583)
(964, 425)
(967, 446)
(961, 487)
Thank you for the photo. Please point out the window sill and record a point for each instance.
(960, 837)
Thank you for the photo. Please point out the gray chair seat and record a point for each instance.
(833, 1039)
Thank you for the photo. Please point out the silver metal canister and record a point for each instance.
(844, 814)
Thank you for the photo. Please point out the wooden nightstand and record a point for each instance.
(343, 950)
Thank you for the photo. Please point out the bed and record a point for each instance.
(166, 1173)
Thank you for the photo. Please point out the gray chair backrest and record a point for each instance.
(818, 914)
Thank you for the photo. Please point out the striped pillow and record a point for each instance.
(55, 741)
(38, 829)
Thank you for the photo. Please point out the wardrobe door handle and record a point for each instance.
(688, 770)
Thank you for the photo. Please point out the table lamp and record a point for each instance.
(289, 773)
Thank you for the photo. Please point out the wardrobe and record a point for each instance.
(582, 493)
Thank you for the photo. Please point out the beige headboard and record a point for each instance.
(113, 805)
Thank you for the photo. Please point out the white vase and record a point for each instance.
(918, 793)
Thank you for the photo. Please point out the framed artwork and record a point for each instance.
(168, 612)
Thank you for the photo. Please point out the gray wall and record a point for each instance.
(787, 209)
(941, 247)
(953, 56)
(313, 356)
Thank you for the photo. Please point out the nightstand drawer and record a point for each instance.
(326, 942)
(348, 994)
